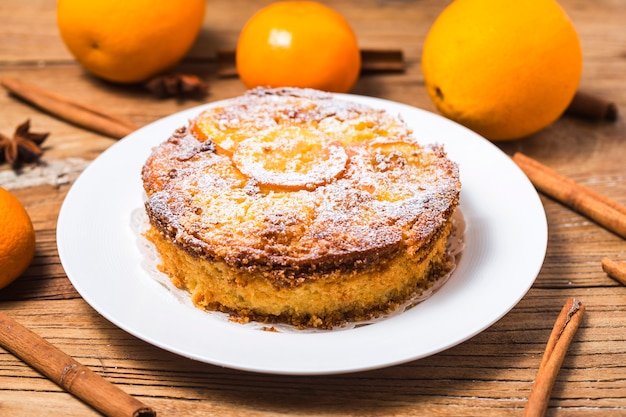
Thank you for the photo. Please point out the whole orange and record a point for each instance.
(129, 41)
(298, 44)
(17, 238)
(504, 69)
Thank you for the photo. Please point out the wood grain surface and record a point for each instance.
(489, 375)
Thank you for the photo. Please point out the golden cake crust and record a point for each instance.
(295, 185)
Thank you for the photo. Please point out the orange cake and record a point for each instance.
(294, 206)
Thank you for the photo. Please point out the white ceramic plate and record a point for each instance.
(506, 238)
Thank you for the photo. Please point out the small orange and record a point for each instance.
(17, 238)
(504, 69)
(298, 44)
(129, 41)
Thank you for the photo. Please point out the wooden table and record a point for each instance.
(489, 375)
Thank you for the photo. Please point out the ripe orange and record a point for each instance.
(129, 41)
(503, 69)
(17, 238)
(298, 44)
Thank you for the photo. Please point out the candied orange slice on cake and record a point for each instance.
(220, 127)
(291, 157)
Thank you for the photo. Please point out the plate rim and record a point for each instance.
(138, 141)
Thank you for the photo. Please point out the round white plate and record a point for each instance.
(505, 237)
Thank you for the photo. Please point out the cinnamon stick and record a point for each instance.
(66, 372)
(226, 63)
(616, 270)
(70, 110)
(382, 60)
(372, 60)
(601, 209)
(562, 334)
(592, 107)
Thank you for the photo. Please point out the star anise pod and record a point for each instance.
(23, 147)
(170, 85)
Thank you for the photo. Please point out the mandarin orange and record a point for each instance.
(298, 44)
(17, 238)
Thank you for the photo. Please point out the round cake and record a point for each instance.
(295, 206)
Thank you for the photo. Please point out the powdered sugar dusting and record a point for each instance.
(290, 158)
(386, 190)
